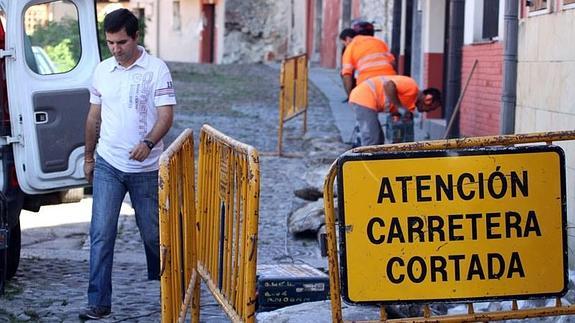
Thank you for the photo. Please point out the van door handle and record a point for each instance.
(41, 117)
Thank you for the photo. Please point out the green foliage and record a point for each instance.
(104, 52)
(61, 41)
(62, 56)
(143, 28)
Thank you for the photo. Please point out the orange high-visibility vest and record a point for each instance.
(368, 56)
(371, 93)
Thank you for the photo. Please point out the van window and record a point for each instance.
(52, 38)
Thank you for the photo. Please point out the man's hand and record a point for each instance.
(91, 134)
(347, 83)
(140, 152)
(89, 169)
(165, 119)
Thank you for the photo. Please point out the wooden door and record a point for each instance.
(208, 33)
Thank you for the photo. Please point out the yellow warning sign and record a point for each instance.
(456, 225)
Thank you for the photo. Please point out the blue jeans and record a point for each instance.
(109, 189)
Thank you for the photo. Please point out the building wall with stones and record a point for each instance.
(263, 30)
(252, 30)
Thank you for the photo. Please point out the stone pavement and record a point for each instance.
(329, 83)
(51, 283)
(54, 269)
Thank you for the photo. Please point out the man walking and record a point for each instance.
(132, 101)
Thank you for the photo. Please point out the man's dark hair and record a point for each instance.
(435, 93)
(119, 19)
(347, 32)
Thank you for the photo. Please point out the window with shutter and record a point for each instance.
(490, 28)
(537, 5)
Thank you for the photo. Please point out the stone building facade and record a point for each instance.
(263, 30)
(236, 31)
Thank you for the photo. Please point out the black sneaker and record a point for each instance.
(94, 313)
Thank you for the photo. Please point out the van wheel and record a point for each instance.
(14, 245)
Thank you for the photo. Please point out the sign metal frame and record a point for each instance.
(420, 155)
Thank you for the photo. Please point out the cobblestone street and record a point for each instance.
(415, 161)
(52, 280)
(51, 283)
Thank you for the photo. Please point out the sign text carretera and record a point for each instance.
(457, 225)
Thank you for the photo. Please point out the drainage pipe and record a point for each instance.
(456, 20)
(509, 91)
(396, 29)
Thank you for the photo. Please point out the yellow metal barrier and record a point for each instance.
(177, 223)
(471, 316)
(293, 92)
(228, 204)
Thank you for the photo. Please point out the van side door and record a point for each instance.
(51, 52)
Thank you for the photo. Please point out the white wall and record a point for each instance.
(473, 14)
(433, 26)
(178, 39)
(298, 31)
(545, 88)
(220, 29)
(149, 6)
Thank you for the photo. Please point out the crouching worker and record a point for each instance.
(390, 93)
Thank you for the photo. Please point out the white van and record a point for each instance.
(48, 50)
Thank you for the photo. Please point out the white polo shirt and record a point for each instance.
(129, 97)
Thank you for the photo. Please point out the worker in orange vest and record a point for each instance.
(390, 93)
(365, 56)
